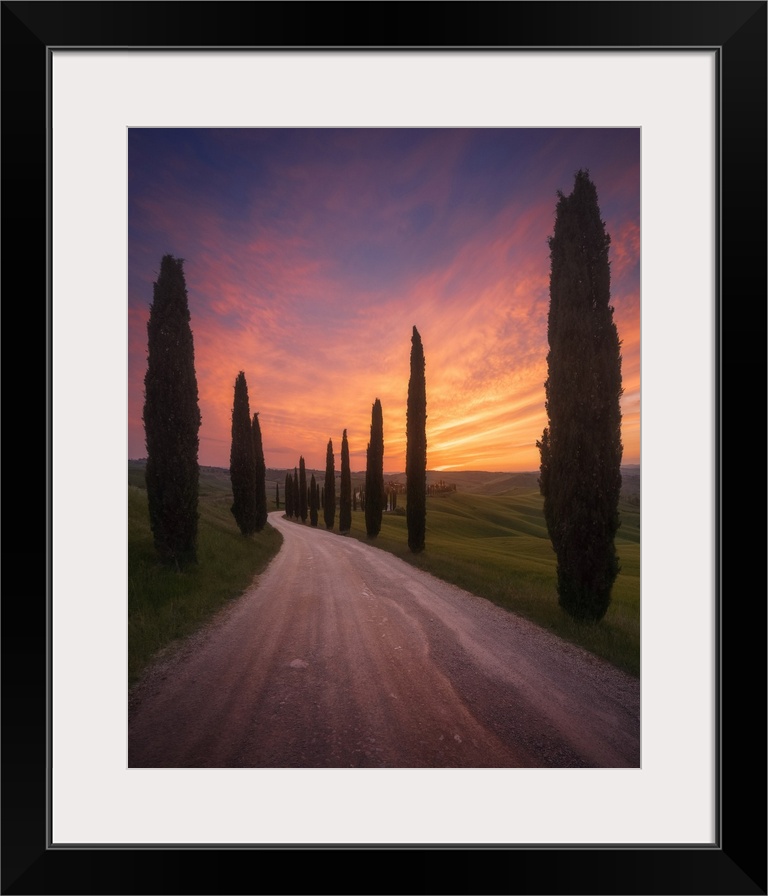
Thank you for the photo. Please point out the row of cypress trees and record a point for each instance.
(301, 502)
(375, 493)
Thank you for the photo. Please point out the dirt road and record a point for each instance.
(342, 655)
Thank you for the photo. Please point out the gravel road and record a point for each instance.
(340, 655)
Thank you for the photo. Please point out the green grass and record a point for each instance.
(165, 605)
(497, 547)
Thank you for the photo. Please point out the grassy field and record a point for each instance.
(164, 605)
(497, 546)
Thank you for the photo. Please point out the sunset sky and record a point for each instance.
(309, 256)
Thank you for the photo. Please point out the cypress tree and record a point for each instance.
(242, 460)
(171, 419)
(416, 448)
(295, 487)
(329, 494)
(345, 489)
(581, 446)
(288, 502)
(314, 501)
(261, 475)
(374, 473)
(277, 495)
(302, 490)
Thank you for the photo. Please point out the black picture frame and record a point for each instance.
(736, 862)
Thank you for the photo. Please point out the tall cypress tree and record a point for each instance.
(277, 495)
(581, 447)
(295, 487)
(416, 448)
(374, 473)
(329, 494)
(302, 490)
(314, 501)
(171, 419)
(242, 460)
(345, 488)
(261, 475)
(288, 489)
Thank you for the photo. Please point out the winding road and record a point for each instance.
(341, 655)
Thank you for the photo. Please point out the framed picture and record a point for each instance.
(685, 69)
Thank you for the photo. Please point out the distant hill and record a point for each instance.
(479, 482)
(473, 482)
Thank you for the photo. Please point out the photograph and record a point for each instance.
(384, 447)
(381, 327)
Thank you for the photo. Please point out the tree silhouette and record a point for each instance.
(416, 448)
(329, 494)
(302, 490)
(261, 475)
(374, 473)
(314, 501)
(171, 419)
(345, 488)
(581, 447)
(296, 500)
(277, 495)
(242, 460)
(288, 489)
